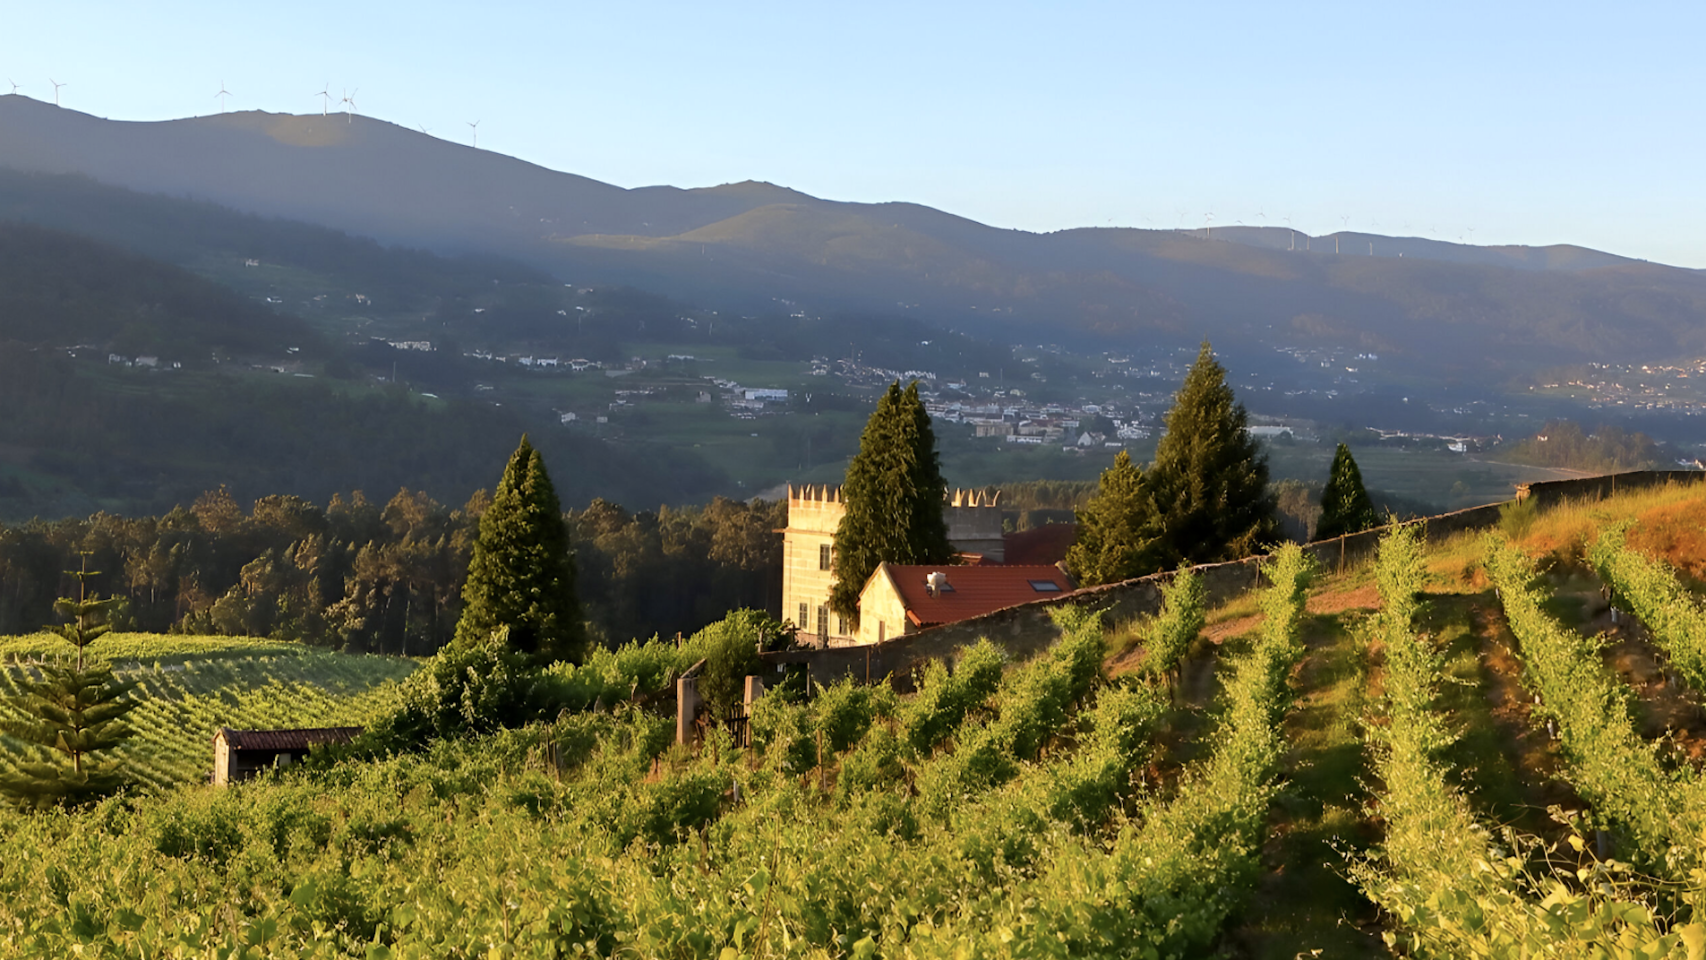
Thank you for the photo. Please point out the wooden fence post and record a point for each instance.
(686, 708)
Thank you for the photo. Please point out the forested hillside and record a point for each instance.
(359, 576)
(62, 290)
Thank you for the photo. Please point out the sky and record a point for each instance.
(1488, 122)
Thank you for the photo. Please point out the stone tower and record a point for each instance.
(808, 544)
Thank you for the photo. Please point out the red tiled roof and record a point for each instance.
(287, 739)
(1038, 545)
(975, 590)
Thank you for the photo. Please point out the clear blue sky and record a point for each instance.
(1555, 122)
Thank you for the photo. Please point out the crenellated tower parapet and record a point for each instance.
(974, 523)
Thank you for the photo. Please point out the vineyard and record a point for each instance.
(191, 686)
(1487, 747)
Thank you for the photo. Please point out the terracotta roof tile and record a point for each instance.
(973, 591)
(1038, 545)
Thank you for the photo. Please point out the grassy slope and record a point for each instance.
(191, 686)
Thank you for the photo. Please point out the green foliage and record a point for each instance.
(894, 495)
(1564, 444)
(1169, 635)
(61, 289)
(609, 676)
(1205, 499)
(1084, 789)
(1175, 875)
(521, 575)
(1652, 592)
(1450, 889)
(730, 648)
(466, 688)
(944, 698)
(1516, 517)
(1345, 504)
(678, 568)
(1609, 764)
(1031, 707)
(187, 694)
(75, 711)
(379, 577)
(1117, 529)
(592, 835)
(1210, 477)
(76, 714)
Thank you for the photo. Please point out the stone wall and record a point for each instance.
(1025, 629)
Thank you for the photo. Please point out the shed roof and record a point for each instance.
(973, 591)
(299, 739)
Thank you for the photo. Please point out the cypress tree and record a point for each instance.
(1345, 506)
(522, 575)
(74, 710)
(1118, 530)
(894, 496)
(1210, 478)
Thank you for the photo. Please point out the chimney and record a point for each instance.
(936, 581)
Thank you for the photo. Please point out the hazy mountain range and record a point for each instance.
(1443, 307)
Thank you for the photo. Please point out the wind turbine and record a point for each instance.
(221, 95)
(325, 96)
(14, 84)
(56, 86)
(475, 126)
(349, 105)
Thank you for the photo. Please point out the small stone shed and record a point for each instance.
(240, 754)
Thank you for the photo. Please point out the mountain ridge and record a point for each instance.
(1439, 305)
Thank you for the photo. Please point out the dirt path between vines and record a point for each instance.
(1303, 904)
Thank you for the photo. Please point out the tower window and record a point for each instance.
(823, 556)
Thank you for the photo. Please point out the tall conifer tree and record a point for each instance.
(522, 575)
(894, 496)
(1345, 506)
(74, 710)
(1210, 478)
(1118, 530)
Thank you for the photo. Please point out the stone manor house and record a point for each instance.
(995, 570)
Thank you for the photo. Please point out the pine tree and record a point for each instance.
(522, 575)
(74, 710)
(1345, 506)
(1210, 478)
(1118, 530)
(894, 496)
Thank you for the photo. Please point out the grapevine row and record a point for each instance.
(183, 705)
(1448, 887)
(1174, 878)
(1609, 763)
(1652, 592)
